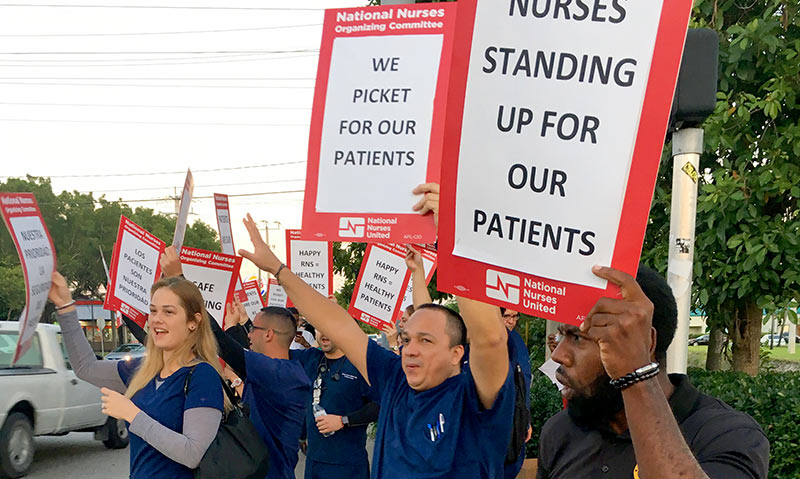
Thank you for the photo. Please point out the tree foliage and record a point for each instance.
(81, 226)
(748, 210)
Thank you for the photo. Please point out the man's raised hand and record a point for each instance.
(170, 263)
(429, 202)
(262, 256)
(232, 316)
(413, 259)
(622, 327)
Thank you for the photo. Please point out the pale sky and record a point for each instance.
(75, 101)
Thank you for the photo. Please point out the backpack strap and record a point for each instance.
(186, 381)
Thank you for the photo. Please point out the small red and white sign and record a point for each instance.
(556, 122)
(429, 264)
(134, 269)
(380, 285)
(224, 228)
(251, 299)
(276, 295)
(183, 211)
(214, 274)
(38, 258)
(377, 122)
(311, 261)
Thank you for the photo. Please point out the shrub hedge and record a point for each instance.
(772, 399)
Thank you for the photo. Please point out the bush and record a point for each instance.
(772, 399)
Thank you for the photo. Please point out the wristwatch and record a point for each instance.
(345, 421)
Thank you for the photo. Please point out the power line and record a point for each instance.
(165, 78)
(186, 32)
(289, 87)
(131, 122)
(103, 105)
(166, 7)
(190, 52)
(196, 186)
(101, 60)
(200, 60)
(148, 200)
(180, 172)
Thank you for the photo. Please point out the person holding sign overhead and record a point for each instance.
(433, 417)
(170, 428)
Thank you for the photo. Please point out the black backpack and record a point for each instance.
(522, 417)
(237, 451)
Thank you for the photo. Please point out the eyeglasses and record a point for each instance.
(276, 331)
(511, 316)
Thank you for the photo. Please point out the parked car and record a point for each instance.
(699, 341)
(786, 338)
(765, 340)
(42, 396)
(126, 352)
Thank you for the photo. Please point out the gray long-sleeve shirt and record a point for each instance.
(200, 424)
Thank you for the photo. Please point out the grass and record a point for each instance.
(697, 356)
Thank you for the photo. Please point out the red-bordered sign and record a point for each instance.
(38, 258)
(380, 285)
(511, 52)
(134, 268)
(377, 122)
(214, 274)
(276, 295)
(311, 261)
(224, 227)
(251, 298)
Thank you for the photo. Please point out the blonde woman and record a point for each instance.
(170, 429)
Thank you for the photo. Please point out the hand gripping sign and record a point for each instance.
(251, 299)
(214, 274)
(556, 122)
(429, 265)
(377, 122)
(311, 261)
(380, 285)
(37, 256)
(134, 269)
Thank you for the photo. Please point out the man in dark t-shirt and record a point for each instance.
(626, 417)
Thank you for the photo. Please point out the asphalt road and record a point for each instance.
(77, 455)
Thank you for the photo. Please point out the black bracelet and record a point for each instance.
(641, 374)
(280, 268)
(65, 306)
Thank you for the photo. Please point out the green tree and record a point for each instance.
(81, 226)
(748, 221)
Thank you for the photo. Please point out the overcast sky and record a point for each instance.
(137, 95)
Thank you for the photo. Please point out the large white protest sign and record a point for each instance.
(377, 122)
(134, 268)
(311, 261)
(215, 276)
(380, 284)
(37, 256)
(558, 119)
(183, 211)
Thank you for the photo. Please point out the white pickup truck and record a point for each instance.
(41, 395)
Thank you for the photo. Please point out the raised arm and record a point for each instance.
(419, 287)
(488, 348)
(324, 314)
(81, 356)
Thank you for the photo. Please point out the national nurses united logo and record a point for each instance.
(351, 227)
(502, 286)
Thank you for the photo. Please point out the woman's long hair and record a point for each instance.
(200, 345)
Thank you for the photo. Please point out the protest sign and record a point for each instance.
(224, 228)
(134, 268)
(311, 261)
(215, 276)
(183, 211)
(429, 265)
(251, 298)
(276, 295)
(381, 282)
(377, 122)
(556, 121)
(37, 256)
